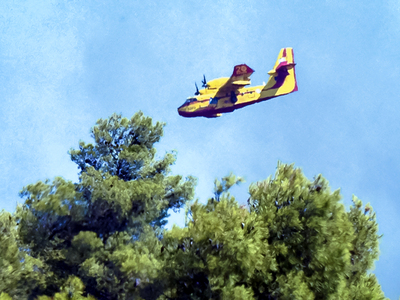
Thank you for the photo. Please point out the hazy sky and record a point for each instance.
(65, 64)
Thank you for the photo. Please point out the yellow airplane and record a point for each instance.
(224, 95)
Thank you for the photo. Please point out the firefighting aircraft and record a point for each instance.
(224, 95)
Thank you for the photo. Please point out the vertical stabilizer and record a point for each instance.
(282, 79)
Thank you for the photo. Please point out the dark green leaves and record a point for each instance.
(103, 236)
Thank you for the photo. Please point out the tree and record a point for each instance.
(103, 237)
(296, 242)
(105, 229)
(18, 270)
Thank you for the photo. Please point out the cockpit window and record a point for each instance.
(190, 100)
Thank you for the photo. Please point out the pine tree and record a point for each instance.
(105, 229)
(103, 237)
(295, 242)
(18, 270)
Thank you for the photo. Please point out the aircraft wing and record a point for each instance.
(239, 78)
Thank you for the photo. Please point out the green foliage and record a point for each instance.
(4, 296)
(237, 293)
(103, 237)
(19, 272)
(366, 287)
(365, 243)
(296, 242)
(72, 290)
(104, 230)
(225, 185)
(309, 230)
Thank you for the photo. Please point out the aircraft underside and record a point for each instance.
(212, 112)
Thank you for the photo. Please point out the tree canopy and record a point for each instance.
(104, 237)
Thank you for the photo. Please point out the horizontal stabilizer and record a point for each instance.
(241, 82)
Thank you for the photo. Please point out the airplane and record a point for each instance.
(224, 95)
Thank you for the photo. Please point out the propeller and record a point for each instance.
(197, 89)
(204, 82)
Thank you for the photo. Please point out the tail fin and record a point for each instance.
(282, 77)
(285, 59)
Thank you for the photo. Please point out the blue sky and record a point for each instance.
(65, 64)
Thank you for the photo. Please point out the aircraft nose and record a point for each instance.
(181, 108)
(182, 112)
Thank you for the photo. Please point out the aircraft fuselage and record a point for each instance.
(208, 106)
(225, 95)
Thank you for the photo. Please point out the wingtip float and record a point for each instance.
(223, 95)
